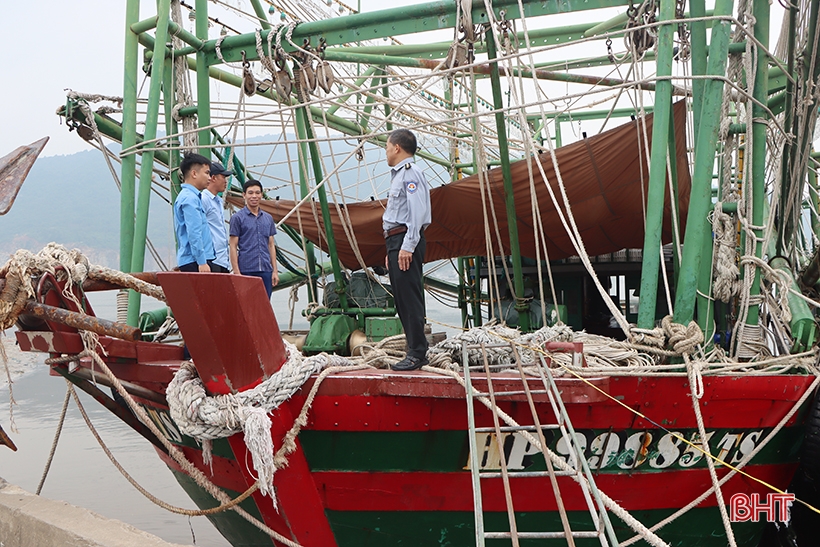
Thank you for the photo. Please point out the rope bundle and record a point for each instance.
(678, 339)
(63, 264)
(599, 351)
(727, 274)
(206, 417)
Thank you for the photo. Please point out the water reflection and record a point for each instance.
(81, 474)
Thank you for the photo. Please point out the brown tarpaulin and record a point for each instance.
(602, 176)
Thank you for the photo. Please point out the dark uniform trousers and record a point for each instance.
(408, 292)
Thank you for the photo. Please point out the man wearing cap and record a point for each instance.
(405, 218)
(212, 205)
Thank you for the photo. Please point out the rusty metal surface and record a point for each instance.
(14, 168)
(228, 325)
(82, 321)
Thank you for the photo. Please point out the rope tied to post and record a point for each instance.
(682, 338)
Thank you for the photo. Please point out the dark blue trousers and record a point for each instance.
(408, 291)
(267, 279)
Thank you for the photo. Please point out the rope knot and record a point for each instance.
(683, 338)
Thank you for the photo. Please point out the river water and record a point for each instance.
(81, 473)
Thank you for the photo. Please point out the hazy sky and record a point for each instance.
(47, 46)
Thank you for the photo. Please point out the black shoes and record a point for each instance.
(410, 363)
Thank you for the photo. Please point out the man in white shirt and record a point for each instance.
(214, 213)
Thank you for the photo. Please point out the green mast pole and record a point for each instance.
(657, 169)
(313, 293)
(788, 155)
(673, 175)
(203, 81)
(760, 93)
(171, 126)
(512, 220)
(147, 165)
(129, 134)
(697, 8)
(386, 93)
(341, 286)
(700, 199)
(801, 151)
(472, 271)
(260, 13)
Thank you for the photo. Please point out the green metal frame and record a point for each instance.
(657, 169)
(512, 219)
(701, 195)
(129, 135)
(147, 164)
(693, 283)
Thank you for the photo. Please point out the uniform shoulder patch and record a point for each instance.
(407, 165)
(411, 187)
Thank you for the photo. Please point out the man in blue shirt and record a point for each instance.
(196, 248)
(212, 205)
(253, 251)
(405, 218)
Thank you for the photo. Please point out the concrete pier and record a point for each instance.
(27, 520)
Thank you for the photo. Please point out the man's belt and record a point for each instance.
(395, 231)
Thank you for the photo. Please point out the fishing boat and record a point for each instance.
(638, 355)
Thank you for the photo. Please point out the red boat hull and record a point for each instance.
(384, 458)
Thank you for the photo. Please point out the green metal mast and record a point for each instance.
(129, 134)
(701, 195)
(657, 169)
(203, 80)
(760, 94)
(302, 120)
(147, 164)
(512, 219)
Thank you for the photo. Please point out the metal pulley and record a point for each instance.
(305, 78)
(324, 73)
(248, 81)
(457, 55)
(304, 73)
(281, 78)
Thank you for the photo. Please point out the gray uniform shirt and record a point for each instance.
(408, 203)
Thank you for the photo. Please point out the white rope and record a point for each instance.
(206, 417)
(696, 388)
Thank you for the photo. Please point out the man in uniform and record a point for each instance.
(212, 205)
(404, 221)
(196, 248)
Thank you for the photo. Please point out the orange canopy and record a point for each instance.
(603, 176)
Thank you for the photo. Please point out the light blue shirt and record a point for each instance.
(212, 205)
(408, 203)
(193, 235)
